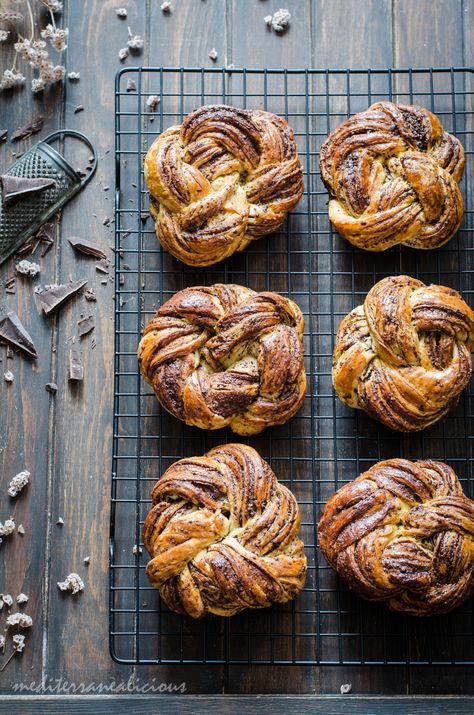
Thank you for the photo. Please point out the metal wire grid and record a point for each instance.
(327, 443)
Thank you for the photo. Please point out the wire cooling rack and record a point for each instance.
(326, 444)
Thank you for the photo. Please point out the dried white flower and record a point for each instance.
(37, 84)
(21, 529)
(74, 75)
(2, 642)
(4, 35)
(27, 268)
(11, 78)
(279, 20)
(135, 42)
(213, 54)
(53, 5)
(19, 481)
(166, 7)
(58, 73)
(11, 16)
(73, 583)
(6, 599)
(123, 53)
(121, 12)
(18, 642)
(19, 619)
(8, 376)
(346, 688)
(57, 36)
(152, 102)
(7, 528)
(22, 598)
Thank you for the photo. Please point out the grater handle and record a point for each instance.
(82, 137)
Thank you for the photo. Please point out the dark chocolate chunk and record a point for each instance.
(78, 108)
(76, 369)
(30, 246)
(102, 266)
(13, 333)
(55, 297)
(83, 246)
(51, 387)
(15, 188)
(131, 85)
(144, 218)
(90, 295)
(3, 135)
(28, 129)
(85, 325)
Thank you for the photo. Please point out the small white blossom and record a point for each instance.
(279, 20)
(57, 36)
(121, 12)
(18, 642)
(8, 376)
(74, 75)
(19, 619)
(4, 35)
(22, 598)
(152, 102)
(73, 583)
(37, 84)
(134, 41)
(27, 268)
(6, 599)
(19, 481)
(123, 53)
(213, 54)
(7, 528)
(53, 5)
(11, 78)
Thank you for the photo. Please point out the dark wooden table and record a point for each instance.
(65, 440)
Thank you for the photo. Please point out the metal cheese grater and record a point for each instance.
(21, 220)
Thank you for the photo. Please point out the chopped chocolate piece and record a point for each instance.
(51, 387)
(76, 369)
(55, 296)
(79, 244)
(20, 529)
(81, 174)
(90, 295)
(106, 221)
(8, 376)
(60, 521)
(3, 135)
(28, 129)
(30, 246)
(104, 283)
(85, 325)
(126, 267)
(10, 353)
(87, 560)
(46, 233)
(79, 108)
(102, 266)
(122, 279)
(17, 187)
(93, 343)
(13, 333)
(144, 217)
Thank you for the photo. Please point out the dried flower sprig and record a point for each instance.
(73, 583)
(19, 481)
(18, 646)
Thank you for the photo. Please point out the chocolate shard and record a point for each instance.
(55, 296)
(51, 387)
(14, 334)
(3, 135)
(15, 188)
(28, 129)
(102, 266)
(85, 325)
(90, 295)
(76, 368)
(78, 108)
(79, 244)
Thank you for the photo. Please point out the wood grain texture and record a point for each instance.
(65, 441)
(234, 705)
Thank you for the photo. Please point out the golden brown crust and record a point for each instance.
(225, 355)
(220, 180)
(404, 356)
(222, 534)
(403, 532)
(393, 173)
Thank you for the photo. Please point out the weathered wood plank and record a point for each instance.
(236, 705)
(26, 406)
(81, 439)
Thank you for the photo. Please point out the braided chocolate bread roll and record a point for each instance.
(403, 533)
(393, 173)
(404, 356)
(225, 355)
(220, 180)
(222, 534)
